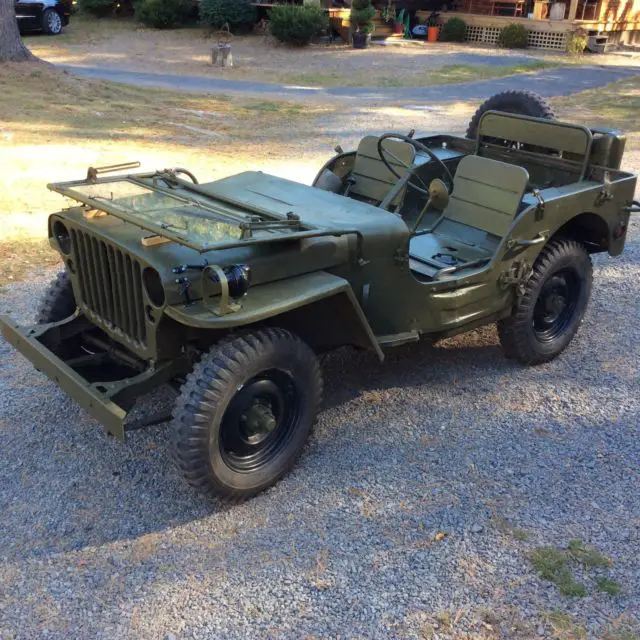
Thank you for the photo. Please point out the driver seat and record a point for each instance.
(371, 179)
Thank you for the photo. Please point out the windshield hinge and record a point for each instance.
(540, 207)
(292, 221)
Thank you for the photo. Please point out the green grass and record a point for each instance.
(616, 105)
(520, 534)
(564, 627)
(553, 565)
(283, 108)
(588, 556)
(606, 585)
(556, 565)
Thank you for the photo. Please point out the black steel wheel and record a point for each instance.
(556, 304)
(58, 301)
(548, 315)
(245, 413)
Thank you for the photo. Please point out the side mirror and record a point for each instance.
(438, 199)
(438, 195)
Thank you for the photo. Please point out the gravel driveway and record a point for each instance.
(427, 482)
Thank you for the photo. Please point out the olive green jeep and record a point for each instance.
(227, 291)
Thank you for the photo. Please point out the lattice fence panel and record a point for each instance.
(548, 40)
(483, 34)
(537, 39)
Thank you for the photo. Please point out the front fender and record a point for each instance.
(283, 299)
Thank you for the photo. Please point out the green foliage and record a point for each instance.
(98, 8)
(235, 13)
(576, 43)
(295, 24)
(163, 14)
(389, 12)
(454, 30)
(362, 14)
(514, 36)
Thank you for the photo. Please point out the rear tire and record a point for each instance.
(58, 301)
(524, 103)
(245, 413)
(548, 315)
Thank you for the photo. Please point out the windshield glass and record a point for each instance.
(175, 214)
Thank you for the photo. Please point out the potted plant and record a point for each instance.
(433, 28)
(362, 13)
(388, 13)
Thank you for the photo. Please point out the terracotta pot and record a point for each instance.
(432, 34)
(398, 28)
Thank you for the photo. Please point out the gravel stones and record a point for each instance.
(102, 540)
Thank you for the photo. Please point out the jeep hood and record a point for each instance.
(247, 208)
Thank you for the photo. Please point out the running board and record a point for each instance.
(398, 339)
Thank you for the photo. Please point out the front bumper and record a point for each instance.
(99, 405)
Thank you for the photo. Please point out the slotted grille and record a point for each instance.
(110, 285)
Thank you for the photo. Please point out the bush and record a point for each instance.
(98, 8)
(576, 43)
(295, 24)
(514, 36)
(362, 14)
(162, 14)
(235, 13)
(454, 30)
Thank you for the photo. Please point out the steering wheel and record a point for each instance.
(418, 146)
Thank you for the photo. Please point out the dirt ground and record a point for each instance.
(124, 44)
(53, 126)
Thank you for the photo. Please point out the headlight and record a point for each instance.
(239, 277)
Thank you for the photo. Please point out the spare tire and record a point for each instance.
(525, 103)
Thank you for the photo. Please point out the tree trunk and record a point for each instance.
(11, 46)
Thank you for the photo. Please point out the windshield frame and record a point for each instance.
(195, 197)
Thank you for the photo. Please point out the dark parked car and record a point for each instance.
(43, 15)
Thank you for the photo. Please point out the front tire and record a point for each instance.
(548, 315)
(245, 413)
(58, 301)
(51, 22)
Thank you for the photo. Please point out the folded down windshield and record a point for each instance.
(182, 214)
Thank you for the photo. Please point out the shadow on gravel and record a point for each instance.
(349, 373)
(92, 490)
(448, 428)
